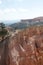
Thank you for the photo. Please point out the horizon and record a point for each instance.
(20, 9)
(16, 21)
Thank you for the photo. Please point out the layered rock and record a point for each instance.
(26, 48)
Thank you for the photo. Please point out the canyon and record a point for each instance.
(23, 48)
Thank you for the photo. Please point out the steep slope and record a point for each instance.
(4, 51)
(26, 48)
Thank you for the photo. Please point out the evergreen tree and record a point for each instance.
(3, 31)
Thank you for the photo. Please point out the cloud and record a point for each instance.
(19, 0)
(7, 14)
(0, 2)
(7, 10)
(20, 13)
(23, 10)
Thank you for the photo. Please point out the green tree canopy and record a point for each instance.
(3, 30)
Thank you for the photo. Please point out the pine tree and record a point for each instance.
(3, 31)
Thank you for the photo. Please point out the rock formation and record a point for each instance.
(24, 48)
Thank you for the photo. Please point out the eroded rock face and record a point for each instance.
(4, 52)
(26, 48)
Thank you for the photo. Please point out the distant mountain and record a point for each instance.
(9, 22)
(27, 22)
(39, 18)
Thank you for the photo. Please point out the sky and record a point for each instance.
(20, 9)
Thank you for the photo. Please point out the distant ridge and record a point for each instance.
(24, 23)
(41, 18)
(34, 19)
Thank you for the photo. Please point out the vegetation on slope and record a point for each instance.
(3, 31)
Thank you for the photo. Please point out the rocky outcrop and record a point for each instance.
(4, 51)
(24, 48)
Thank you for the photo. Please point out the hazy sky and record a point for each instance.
(20, 9)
